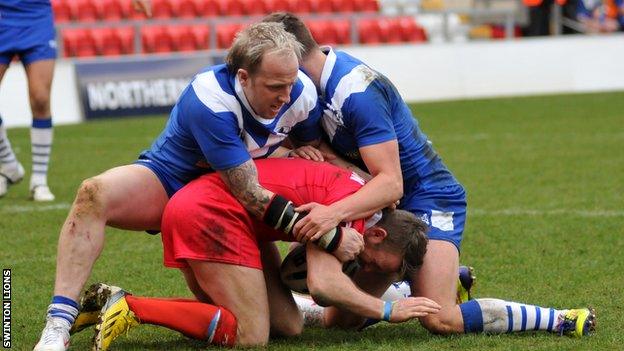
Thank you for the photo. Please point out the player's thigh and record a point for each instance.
(437, 277)
(40, 74)
(132, 196)
(241, 290)
(193, 285)
(286, 319)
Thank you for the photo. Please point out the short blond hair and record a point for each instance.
(252, 43)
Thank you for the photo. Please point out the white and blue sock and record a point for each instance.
(41, 147)
(498, 316)
(7, 156)
(63, 309)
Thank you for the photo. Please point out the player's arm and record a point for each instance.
(328, 286)
(382, 190)
(243, 183)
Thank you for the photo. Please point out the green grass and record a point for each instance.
(545, 183)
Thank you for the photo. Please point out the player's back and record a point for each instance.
(362, 107)
(25, 13)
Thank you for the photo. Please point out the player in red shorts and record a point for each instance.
(232, 266)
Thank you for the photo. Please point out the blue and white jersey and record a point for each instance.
(213, 127)
(25, 13)
(361, 107)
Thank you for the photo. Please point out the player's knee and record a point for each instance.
(248, 337)
(90, 197)
(438, 324)
(40, 103)
(288, 327)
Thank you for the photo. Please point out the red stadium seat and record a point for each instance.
(162, 9)
(126, 34)
(410, 31)
(208, 8)
(156, 39)
(202, 36)
(254, 7)
(277, 5)
(185, 8)
(368, 31)
(183, 38)
(226, 33)
(321, 6)
(343, 5)
(301, 6)
(232, 7)
(79, 42)
(112, 10)
(390, 30)
(62, 11)
(343, 31)
(323, 32)
(85, 10)
(366, 5)
(107, 42)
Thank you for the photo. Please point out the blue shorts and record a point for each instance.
(32, 43)
(442, 209)
(169, 181)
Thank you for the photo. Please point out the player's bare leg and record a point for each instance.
(285, 317)
(127, 197)
(242, 291)
(437, 280)
(40, 74)
(11, 171)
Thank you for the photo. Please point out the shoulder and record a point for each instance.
(214, 91)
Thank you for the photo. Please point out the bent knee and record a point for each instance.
(90, 197)
(443, 325)
(290, 329)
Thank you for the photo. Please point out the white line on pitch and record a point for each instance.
(533, 212)
(34, 208)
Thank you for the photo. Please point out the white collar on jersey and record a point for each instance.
(328, 67)
(238, 88)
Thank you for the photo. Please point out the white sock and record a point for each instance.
(501, 316)
(7, 156)
(312, 313)
(41, 145)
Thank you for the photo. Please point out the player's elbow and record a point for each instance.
(320, 290)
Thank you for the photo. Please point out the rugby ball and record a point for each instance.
(294, 270)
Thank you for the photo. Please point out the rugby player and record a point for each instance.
(368, 123)
(212, 238)
(228, 115)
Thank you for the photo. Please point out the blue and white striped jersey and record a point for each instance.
(362, 107)
(212, 126)
(25, 13)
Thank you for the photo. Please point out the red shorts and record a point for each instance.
(205, 222)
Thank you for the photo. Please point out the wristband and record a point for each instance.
(387, 311)
(281, 215)
(331, 240)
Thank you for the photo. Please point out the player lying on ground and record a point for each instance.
(368, 123)
(227, 115)
(232, 266)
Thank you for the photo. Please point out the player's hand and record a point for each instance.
(412, 307)
(309, 152)
(351, 245)
(144, 6)
(319, 221)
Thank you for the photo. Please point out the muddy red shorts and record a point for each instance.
(205, 222)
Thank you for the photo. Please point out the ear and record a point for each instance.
(243, 76)
(375, 235)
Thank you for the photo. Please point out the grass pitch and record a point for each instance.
(545, 183)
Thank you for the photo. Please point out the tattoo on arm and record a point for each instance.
(243, 183)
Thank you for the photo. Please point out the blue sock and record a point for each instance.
(63, 307)
(473, 317)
